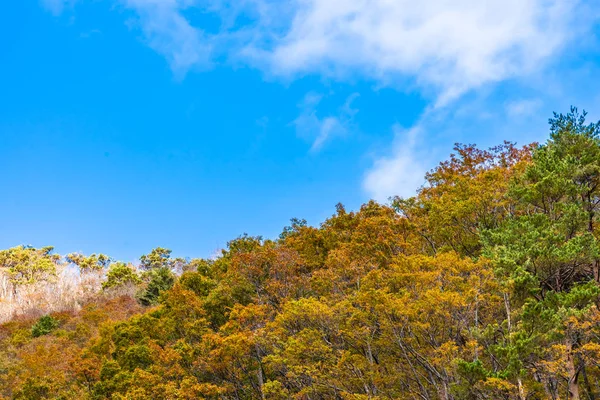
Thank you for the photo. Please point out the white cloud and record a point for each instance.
(321, 130)
(447, 47)
(444, 47)
(480, 119)
(169, 33)
(402, 172)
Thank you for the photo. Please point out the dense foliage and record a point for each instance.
(485, 285)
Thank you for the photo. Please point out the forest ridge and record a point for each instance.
(484, 285)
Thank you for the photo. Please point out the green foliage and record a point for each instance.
(121, 274)
(242, 244)
(95, 262)
(158, 258)
(159, 280)
(26, 265)
(161, 258)
(44, 326)
(33, 389)
(197, 283)
(295, 227)
(136, 356)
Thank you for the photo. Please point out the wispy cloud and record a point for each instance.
(523, 107)
(170, 34)
(320, 130)
(482, 119)
(448, 47)
(402, 171)
(445, 48)
(56, 7)
(90, 33)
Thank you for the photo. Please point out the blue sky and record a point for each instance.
(131, 124)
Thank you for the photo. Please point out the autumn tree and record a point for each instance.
(463, 196)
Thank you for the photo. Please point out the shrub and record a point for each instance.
(44, 326)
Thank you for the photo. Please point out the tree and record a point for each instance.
(44, 326)
(26, 265)
(121, 275)
(93, 263)
(160, 258)
(548, 251)
(160, 279)
(463, 197)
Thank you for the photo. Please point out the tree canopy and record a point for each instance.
(484, 285)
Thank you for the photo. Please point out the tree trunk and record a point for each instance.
(509, 326)
(572, 371)
(259, 373)
(521, 390)
(586, 382)
(444, 392)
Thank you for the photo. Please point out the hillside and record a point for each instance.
(485, 285)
